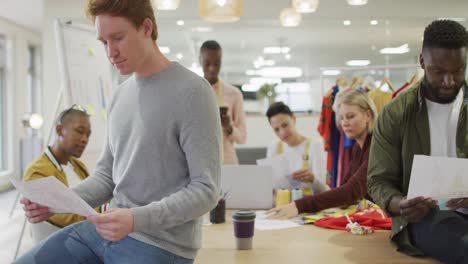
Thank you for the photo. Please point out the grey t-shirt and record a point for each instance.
(161, 158)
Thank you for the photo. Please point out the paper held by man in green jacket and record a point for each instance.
(438, 177)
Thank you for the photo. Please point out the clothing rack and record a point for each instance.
(374, 67)
(366, 68)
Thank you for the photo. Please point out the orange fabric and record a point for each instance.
(324, 127)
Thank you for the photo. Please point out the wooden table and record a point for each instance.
(305, 244)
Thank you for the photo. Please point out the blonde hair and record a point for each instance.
(358, 98)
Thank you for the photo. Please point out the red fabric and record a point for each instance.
(329, 165)
(372, 218)
(400, 90)
(352, 189)
(324, 127)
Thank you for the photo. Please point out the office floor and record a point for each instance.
(11, 226)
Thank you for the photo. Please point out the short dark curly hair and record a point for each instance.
(65, 116)
(210, 45)
(445, 34)
(278, 108)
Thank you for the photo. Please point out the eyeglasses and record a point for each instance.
(74, 107)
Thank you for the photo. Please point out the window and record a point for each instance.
(2, 104)
(296, 95)
(32, 80)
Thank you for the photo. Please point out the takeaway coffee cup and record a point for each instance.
(244, 222)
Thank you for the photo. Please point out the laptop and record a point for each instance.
(249, 186)
(249, 156)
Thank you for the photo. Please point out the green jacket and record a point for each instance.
(402, 131)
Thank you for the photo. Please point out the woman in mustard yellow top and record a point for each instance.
(60, 160)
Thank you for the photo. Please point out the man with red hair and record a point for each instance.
(160, 164)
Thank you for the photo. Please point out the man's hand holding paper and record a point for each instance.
(46, 196)
(440, 178)
(416, 209)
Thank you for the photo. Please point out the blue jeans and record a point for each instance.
(80, 243)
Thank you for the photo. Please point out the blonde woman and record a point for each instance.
(357, 116)
(306, 155)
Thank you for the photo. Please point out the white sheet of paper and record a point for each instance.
(52, 193)
(261, 223)
(283, 171)
(438, 177)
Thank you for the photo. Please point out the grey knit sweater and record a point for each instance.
(161, 158)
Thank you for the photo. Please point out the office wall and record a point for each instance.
(260, 134)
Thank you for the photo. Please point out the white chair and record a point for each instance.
(42, 231)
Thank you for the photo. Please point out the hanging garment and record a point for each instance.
(402, 88)
(380, 98)
(335, 142)
(324, 129)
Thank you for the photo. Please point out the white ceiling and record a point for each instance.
(320, 41)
